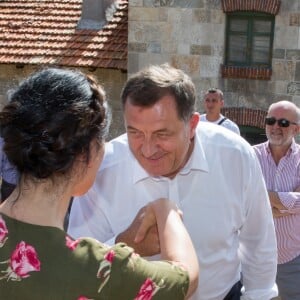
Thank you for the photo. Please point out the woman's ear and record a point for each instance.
(96, 152)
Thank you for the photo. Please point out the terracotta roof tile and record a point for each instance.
(44, 32)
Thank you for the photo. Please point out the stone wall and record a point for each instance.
(112, 80)
(190, 35)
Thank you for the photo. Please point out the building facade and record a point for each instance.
(88, 35)
(248, 48)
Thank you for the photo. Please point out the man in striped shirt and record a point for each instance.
(280, 162)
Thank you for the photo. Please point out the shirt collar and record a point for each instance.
(292, 149)
(197, 161)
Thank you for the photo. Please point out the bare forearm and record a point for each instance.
(174, 242)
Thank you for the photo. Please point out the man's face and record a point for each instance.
(159, 140)
(213, 103)
(281, 136)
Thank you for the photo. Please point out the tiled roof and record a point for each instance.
(44, 32)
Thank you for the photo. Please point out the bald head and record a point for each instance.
(282, 125)
(286, 107)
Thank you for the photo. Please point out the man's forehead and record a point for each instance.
(283, 110)
(212, 96)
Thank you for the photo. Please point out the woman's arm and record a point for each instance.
(175, 242)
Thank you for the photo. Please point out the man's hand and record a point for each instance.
(142, 234)
(276, 205)
(278, 214)
(149, 218)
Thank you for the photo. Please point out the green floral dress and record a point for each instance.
(43, 262)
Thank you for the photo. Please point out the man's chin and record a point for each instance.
(155, 172)
(276, 141)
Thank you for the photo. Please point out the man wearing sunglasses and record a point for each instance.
(213, 102)
(280, 162)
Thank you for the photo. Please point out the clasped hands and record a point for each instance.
(142, 234)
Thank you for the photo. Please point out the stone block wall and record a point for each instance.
(191, 34)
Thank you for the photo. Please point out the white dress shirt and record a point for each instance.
(224, 202)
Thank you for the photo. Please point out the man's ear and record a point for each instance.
(193, 123)
(297, 130)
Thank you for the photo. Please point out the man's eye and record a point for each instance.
(135, 133)
(162, 135)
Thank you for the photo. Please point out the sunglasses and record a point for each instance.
(280, 122)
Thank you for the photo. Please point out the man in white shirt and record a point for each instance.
(213, 102)
(211, 173)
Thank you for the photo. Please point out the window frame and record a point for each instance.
(251, 17)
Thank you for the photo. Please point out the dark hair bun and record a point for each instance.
(51, 118)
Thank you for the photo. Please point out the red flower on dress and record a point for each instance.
(3, 232)
(109, 256)
(71, 244)
(147, 290)
(23, 260)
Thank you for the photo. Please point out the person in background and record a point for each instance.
(211, 173)
(279, 158)
(213, 102)
(53, 129)
(9, 175)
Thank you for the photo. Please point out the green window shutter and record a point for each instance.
(249, 39)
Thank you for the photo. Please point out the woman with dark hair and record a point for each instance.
(54, 129)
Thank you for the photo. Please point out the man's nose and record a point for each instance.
(149, 147)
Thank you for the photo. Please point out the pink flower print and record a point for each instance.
(3, 232)
(147, 290)
(135, 255)
(71, 244)
(83, 298)
(105, 268)
(23, 260)
(109, 256)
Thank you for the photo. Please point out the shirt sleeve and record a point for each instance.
(122, 274)
(291, 200)
(258, 249)
(9, 172)
(231, 126)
